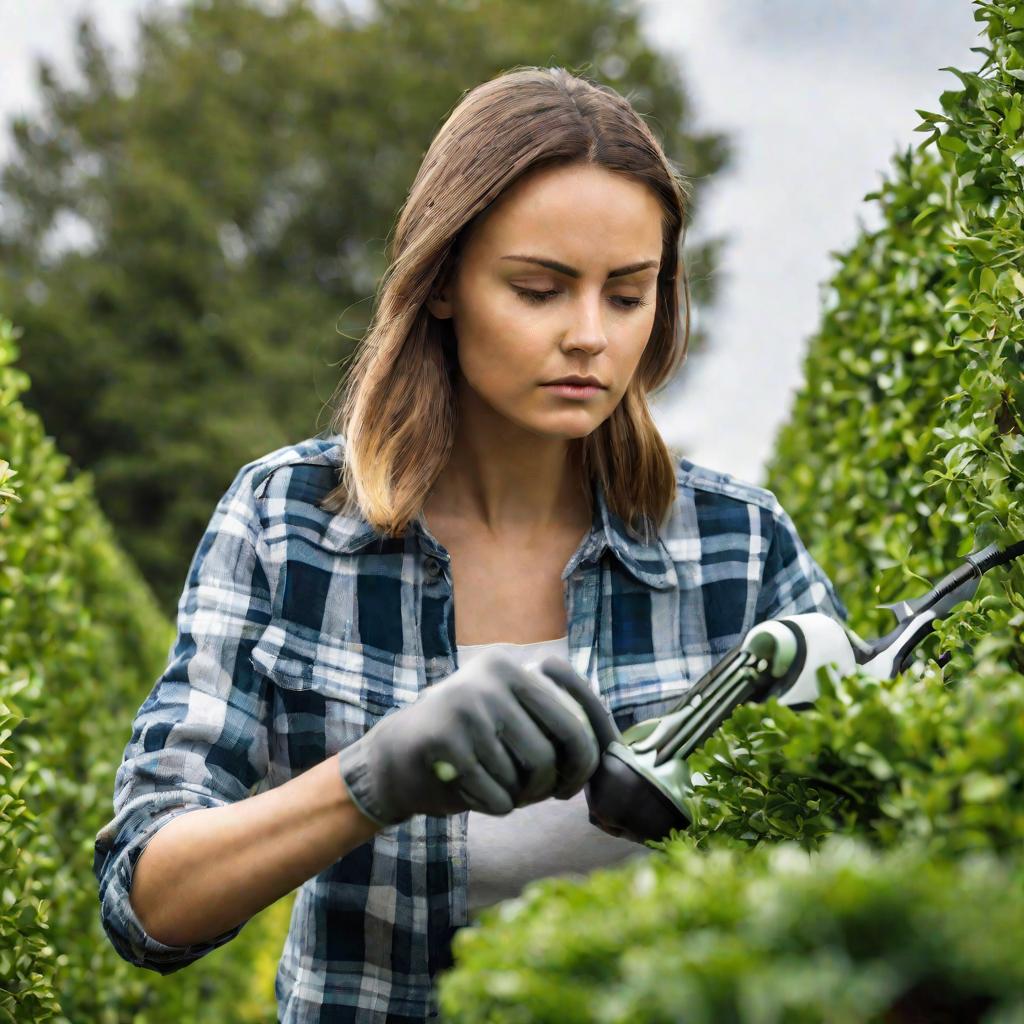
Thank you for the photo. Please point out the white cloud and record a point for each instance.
(817, 108)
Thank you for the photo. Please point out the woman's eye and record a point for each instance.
(532, 296)
(535, 298)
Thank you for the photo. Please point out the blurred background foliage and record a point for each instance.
(234, 198)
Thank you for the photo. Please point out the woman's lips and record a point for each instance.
(574, 390)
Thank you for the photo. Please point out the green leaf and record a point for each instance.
(951, 144)
(980, 788)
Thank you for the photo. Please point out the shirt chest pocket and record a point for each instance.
(327, 692)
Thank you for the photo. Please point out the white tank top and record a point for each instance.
(553, 837)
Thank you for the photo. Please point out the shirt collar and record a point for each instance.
(648, 562)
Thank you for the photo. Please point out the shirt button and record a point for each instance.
(432, 567)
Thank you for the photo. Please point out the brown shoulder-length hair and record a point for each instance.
(398, 413)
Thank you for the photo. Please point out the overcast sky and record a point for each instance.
(816, 99)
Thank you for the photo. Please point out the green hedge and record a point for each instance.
(774, 934)
(81, 644)
(903, 453)
(914, 398)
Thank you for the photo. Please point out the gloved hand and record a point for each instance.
(601, 721)
(491, 737)
(609, 803)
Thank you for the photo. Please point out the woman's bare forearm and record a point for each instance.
(213, 868)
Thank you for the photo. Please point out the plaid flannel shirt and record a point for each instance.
(298, 630)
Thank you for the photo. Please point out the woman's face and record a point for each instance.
(585, 223)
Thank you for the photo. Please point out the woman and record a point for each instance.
(381, 630)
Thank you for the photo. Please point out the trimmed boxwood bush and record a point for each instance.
(914, 389)
(81, 641)
(904, 452)
(773, 934)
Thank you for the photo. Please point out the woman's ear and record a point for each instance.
(439, 303)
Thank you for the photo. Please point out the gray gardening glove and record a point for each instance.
(491, 737)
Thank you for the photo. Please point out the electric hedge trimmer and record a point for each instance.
(640, 789)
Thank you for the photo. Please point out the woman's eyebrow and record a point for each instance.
(563, 268)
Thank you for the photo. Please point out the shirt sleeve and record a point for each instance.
(200, 739)
(793, 582)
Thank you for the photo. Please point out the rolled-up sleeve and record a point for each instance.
(792, 581)
(200, 739)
